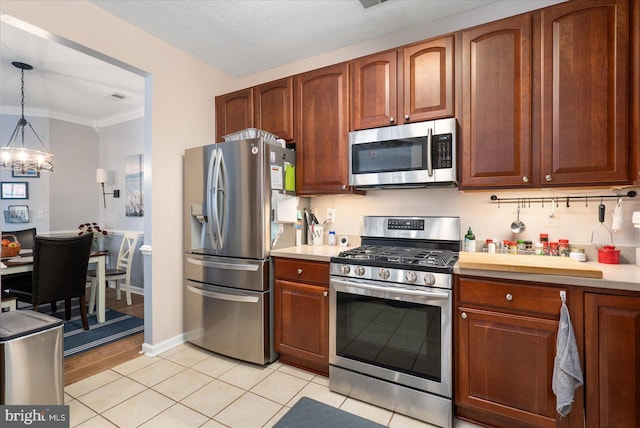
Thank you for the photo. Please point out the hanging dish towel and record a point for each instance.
(616, 223)
(567, 374)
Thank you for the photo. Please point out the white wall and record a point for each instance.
(486, 218)
(117, 142)
(72, 197)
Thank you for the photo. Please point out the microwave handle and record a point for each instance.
(429, 157)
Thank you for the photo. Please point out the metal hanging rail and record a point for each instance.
(555, 199)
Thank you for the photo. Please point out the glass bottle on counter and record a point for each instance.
(470, 242)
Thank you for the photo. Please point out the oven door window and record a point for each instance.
(388, 156)
(396, 335)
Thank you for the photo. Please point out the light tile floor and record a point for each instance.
(190, 387)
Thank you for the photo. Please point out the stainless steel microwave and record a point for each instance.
(414, 155)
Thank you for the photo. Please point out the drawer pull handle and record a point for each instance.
(463, 315)
(299, 271)
(509, 297)
(325, 293)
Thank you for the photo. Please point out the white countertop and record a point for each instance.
(618, 277)
(320, 253)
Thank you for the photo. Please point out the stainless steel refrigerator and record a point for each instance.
(229, 230)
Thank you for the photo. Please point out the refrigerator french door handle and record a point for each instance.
(228, 266)
(429, 153)
(221, 296)
(213, 162)
(221, 200)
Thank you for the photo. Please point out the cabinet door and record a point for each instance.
(496, 110)
(273, 107)
(505, 365)
(302, 323)
(234, 112)
(585, 93)
(322, 128)
(428, 80)
(612, 356)
(374, 90)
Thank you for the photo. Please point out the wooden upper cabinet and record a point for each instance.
(585, 51)
(496, 104)
(427, 89)
(410, 84)
(374, 90)
(234, 112)
(273, 107)
(321, 130)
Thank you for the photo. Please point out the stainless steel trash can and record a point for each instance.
(31, 348)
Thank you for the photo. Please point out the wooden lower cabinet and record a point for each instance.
(505, 349)
(612, 355)
(301, 307)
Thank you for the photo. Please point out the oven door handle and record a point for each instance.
(351, 286)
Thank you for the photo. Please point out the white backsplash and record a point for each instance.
(487, 219)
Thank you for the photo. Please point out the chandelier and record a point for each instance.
(15, 156)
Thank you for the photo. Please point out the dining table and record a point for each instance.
(23, 262)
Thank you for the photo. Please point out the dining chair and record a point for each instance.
(25, 237)
(59, 273)
(122, 271)
(20, 281)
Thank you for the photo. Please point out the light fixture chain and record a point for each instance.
(22, 90)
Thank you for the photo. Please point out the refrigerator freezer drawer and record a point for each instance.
(245, 274)
(230, 322)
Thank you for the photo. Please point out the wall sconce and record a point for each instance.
(102, 176)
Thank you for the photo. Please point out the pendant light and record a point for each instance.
(15, 156)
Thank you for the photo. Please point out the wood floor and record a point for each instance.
(104, 357)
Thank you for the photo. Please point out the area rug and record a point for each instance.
(76, 340)
(310, 413)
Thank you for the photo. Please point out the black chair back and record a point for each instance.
(60, 267)
(25, 237)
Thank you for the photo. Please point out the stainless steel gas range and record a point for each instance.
(390, 316)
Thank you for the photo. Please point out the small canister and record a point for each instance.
(332, 237)
(553, 249)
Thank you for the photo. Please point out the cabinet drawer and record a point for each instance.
(302, 270)
(510, 296)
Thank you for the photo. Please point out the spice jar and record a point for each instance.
(544, 240)
(563, 247)
(539, 248)
(553, 249)
(521, 245)
(513, 247)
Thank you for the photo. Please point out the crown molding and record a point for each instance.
(100, 123)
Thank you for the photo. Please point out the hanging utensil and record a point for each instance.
(518, 226)
(601, 232)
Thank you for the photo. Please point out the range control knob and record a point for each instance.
(359, 270)
(411, 276)
(429, 279)
(345, 269)
(384, 273)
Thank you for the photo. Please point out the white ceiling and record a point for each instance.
(243, 37)
(238, 37)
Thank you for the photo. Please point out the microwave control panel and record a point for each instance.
(442, 151)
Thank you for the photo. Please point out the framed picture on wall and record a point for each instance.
(26, 174)
(17, 214)
(14, 190)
